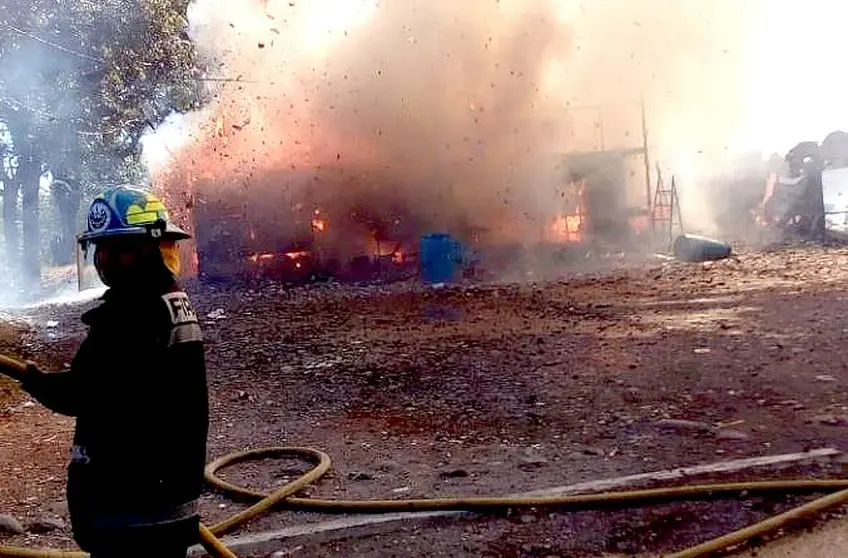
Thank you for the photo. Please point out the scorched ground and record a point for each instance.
(495, 389)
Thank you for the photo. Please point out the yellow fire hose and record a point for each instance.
(283, 497)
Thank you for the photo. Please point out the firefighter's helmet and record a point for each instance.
(127, 210)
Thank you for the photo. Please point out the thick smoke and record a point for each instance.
(452, 114)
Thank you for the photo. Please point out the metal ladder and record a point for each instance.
(665, 210)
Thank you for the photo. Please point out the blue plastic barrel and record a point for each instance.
(438, 258)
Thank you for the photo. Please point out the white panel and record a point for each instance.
(835, 192)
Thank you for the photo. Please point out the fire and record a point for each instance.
(295, 256)
(318, 224)
(267, 256)
(760, 213)
(640, 223)
(569, 227)
(261, 257)
(386, 249)
(219, 126)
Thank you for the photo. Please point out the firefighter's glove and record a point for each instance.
(13, 370)
(31, 371)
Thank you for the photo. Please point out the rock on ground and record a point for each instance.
(10, 526)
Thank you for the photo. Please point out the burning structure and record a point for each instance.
(372, 123)
(601, 201)
(292, 230)
(333, 222)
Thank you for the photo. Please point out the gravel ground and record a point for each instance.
(493, 389)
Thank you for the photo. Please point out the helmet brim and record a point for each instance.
(171, 233)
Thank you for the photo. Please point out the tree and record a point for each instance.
(66, 196)
(80, 83)
(10, 204)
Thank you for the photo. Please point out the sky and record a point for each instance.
(797, 86)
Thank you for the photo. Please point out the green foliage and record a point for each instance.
(82, 80)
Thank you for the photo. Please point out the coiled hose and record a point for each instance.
(283, 497)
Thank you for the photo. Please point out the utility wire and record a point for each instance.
(18, 105)
(50, 44)
(78, 54)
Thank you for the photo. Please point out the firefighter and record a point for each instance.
(137, 387)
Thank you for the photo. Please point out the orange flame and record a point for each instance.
(261, 257)
(568, 227)
(760, 213)
(640, 223)
(268, 256)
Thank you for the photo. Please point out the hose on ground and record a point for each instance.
(285, 497)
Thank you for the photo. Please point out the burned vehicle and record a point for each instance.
(793, 199)
(804, 195)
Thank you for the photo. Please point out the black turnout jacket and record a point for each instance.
(137, 387)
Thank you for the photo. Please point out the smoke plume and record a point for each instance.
(449, 114)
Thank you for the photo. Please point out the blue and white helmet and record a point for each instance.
(127, 210)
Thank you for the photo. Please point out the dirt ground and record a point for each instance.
(829, 541)
(494, 389)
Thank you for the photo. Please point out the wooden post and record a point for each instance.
(676, 207)
(647, 163)
(80, 265)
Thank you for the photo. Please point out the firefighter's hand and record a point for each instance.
(20, 371)
(31, 370)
